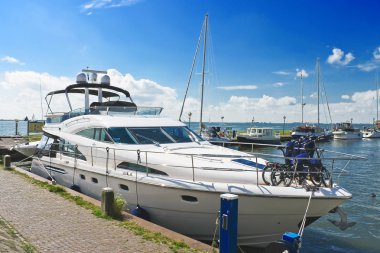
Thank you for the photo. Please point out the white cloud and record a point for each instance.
(100, 4)
(281, 73)
(301, 73)
(238, 87)
(11, 59)
(278, 84)
(376, 54)
(338, 57)
(367, 67)
(21, 93)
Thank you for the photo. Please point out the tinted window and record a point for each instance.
(120, 135)
(179, 134)
(88, 133)
(150, 135)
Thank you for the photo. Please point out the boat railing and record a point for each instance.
(111, 160)
(104, 110)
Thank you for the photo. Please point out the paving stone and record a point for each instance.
(53, 224)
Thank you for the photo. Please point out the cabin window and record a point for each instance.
(151, 135)
(188, 198)
(124, 187)
(94, 180)
(68, 149)
(102, 135)
(82, 176)
(121, 135)
(179, 134)
(140, 168)
(88, 133)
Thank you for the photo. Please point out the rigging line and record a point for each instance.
(327, 101)
(192, 69)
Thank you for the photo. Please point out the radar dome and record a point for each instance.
(81, 78)
(105, 80)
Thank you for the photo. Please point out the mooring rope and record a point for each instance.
(302, 227)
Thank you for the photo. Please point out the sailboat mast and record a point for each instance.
(377, 96)
(318, 77)
(302, 104)
(203, 72)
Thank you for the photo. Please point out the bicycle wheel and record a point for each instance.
(266, 174)
(277, 176)
(325, 177)
(316, 175)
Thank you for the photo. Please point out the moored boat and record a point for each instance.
(346, 131)
(260, 135)
(167, 169)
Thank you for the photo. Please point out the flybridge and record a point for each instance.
(99, 98)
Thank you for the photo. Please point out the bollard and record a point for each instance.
(108, 199)
(7, 162)
(228, 223)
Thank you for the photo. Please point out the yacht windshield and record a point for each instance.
(152, 135)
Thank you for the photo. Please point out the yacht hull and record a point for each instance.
(249, 139)
(191, 208)
(347, 135)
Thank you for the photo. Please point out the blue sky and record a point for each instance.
(256, 49)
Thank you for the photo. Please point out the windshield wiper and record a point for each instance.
(149, 139)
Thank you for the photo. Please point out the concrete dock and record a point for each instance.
(53, 224)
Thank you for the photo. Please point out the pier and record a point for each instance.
(52, 223)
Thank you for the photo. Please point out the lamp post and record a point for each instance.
(253, 120)
(283, 128)
(222, 119)
(189, 114)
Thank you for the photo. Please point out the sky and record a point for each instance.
(256, 53)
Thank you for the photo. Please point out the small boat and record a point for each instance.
(346, 131)
(27, 149)
(311, 130)
(261, 135)
(375, 131)
(371, 133)
(215, 135)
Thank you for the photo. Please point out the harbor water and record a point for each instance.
(362, 178)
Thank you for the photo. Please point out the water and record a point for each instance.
(8, 127)
(362, 179)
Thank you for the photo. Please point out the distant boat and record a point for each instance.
(346, 131)
(261, 135)
(375, 131)
(311, 130)
(215, 135)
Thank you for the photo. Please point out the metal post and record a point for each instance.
(257, 173)
(7, 162)
(146, 162)
(16, 130)
(283, 128)
(228, 221)
(192, 165)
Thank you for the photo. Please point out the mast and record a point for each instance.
(203, 72)
(377, 96)
(302, 104)
(318, 77)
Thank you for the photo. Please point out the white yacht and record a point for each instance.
(167, 169)
(346, 131)
(261, 135)
(372, 132)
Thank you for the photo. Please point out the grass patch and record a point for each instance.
(175, 246)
